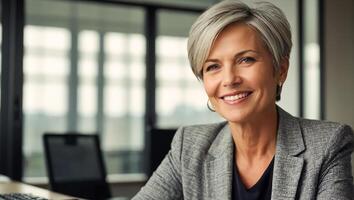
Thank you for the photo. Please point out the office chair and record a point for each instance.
(75, 165)
(160, 144)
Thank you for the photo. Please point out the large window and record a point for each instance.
(46, 69)
(84, 71)
(124, 97)
(312, 105)
(180, 98)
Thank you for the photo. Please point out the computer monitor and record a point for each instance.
(75, 165)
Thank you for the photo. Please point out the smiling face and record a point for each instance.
(239, 76)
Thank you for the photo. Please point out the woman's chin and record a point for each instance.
(236, 117)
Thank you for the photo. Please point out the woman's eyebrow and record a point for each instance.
(236, 55)
(245, 51)
(211, 60)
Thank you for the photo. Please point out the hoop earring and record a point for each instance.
(210, 107)
(278, 92)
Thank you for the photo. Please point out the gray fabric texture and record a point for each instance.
(312, 161)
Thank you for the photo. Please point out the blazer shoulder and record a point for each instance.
(196, 140)
(202, 133)
(325, 129)
(323, 134)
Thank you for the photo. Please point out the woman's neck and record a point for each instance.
(257, 138)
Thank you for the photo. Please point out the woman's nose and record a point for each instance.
(231, 78)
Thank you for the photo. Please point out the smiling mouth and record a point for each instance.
(237, 97)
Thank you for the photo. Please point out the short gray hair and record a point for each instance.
(268, 20)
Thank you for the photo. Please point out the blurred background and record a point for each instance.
(119, 68)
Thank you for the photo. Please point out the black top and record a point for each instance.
(262, 190)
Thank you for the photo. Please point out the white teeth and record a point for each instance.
(236, 97)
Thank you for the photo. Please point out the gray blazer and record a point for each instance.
(312, 161)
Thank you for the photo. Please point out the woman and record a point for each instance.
(242, 56)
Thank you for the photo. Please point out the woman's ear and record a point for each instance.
(283, 70)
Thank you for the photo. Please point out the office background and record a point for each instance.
(120, 68)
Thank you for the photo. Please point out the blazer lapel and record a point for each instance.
(287, 166)
(218, 168)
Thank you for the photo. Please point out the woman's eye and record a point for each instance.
(247, 60)
(211, 67)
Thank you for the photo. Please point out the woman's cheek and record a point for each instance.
(210, 87)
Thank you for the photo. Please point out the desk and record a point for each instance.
(16, 187)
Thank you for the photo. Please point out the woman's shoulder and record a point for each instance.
(198, 139)
(204, 129)
(325, 133)
(321, 127)
(315, 131)
(202, 132)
